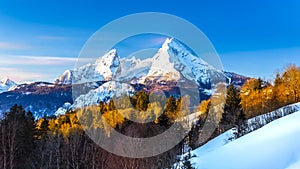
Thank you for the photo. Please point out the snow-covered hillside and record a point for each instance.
(274, 146)
(6, 84)
(103, 93)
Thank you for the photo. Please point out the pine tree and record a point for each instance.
(187, 161)
(142, 101)
(171, 108)
(111, 106)
(232, 108)
(241, 124)
(278, 80)
(171, 104)
(258, 84)
(170, 112)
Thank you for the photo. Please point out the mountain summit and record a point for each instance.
(103, 69)
(6, 84)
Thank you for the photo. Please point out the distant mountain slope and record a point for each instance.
(6, 84)
(41, 98)
(275, 146)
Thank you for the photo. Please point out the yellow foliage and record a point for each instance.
(39, 124)
(204, 107)
(286, 90)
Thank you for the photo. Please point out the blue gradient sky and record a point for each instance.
(40, 39)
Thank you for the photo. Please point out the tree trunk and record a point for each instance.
(4, 147)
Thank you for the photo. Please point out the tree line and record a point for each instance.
(60, 142)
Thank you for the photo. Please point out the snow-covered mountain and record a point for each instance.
(6, 84)
(65, 78)
(172, 62)
(103, 69)
(276, 146)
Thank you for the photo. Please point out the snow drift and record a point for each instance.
(274, 146)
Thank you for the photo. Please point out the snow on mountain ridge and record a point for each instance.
(108, 65)
(176, 59)
(7, 84)
(162, 67)
(104, 68)
(65, 78)
(133, 70)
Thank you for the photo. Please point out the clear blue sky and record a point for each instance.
(40, 39)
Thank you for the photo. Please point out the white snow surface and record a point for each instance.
(133, 70)
(274, 146)
(103, 93)
(62, 110)
(174, 61)
(65, 78)
(6, 84)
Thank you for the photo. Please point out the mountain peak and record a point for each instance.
(175, 45)
(65, 78)
(7, 82)
(165, 45)
(108, 64)
(112, 52)
(104, 68)
(4, 79)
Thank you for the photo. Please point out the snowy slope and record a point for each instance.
(103, 93)
(274, 146)
(62, 110)
(6, 84)
(133, 69)
(174, 59)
